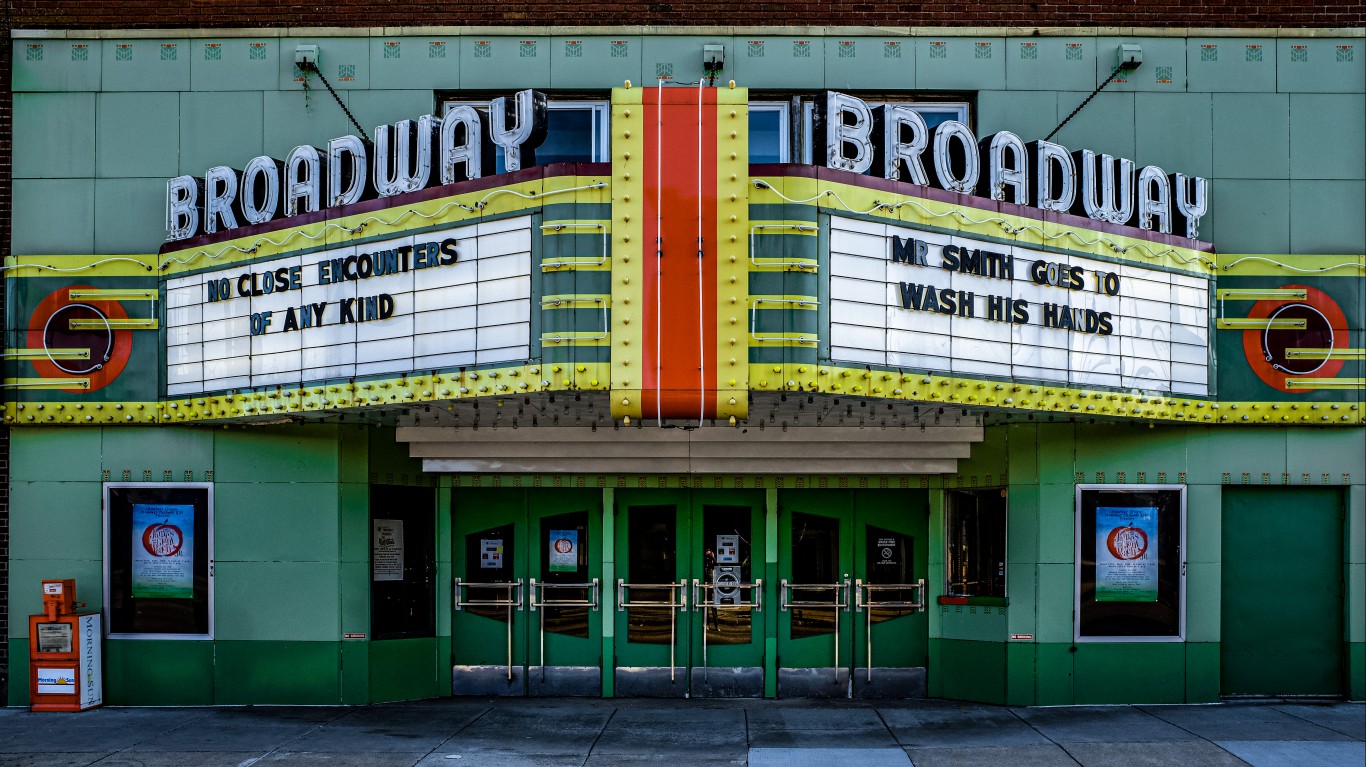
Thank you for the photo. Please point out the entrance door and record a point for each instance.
(851, 597)
(1281, 622)
(527, 594)
(687, 594)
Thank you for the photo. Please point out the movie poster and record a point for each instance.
(564, 551)
(1126, 554)
(163, 551)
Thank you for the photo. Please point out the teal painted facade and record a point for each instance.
(100, 123)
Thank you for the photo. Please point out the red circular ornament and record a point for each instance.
(1126, 543)
(1325, 328)
(163, 539)
(49, 328)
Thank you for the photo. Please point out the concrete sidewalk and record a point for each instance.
(697, 733)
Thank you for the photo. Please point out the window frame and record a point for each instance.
(949, 510)
(1180, 564)
(962, 104)
(599, 108)
(107, 585)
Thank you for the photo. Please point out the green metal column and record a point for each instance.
(609, 593)
(771, 585)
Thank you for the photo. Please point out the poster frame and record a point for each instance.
(207, 488)
(1077, 636)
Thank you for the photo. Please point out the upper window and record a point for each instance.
(576, 131)
(771, 134)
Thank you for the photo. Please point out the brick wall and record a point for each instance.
(85, 14)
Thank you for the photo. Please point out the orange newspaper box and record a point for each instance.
(65, 665)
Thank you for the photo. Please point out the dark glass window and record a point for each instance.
(564, 560)
(890, 563)
(815, 565)
(489, 557)
(402, 562)
(976, 538)
(159, 559)
(653, 539)
(1129, 568)
(726, 561)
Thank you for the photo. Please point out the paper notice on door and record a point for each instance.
(387, 553)
(1126, 554)
(491, 553)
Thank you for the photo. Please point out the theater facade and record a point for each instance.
(387, 364)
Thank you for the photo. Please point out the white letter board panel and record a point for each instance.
(440, 299)
(958, 306)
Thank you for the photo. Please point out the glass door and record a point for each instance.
(526, 594)
(688, 601)
(815, 594)
(891, 631)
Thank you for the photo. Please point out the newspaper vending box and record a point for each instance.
(64, 653)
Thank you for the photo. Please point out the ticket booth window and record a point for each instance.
(976, 539)
(158, 558)
(402, 562)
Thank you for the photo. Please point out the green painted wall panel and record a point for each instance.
(159, 449)
(1325, 216)
(128, 214)
(1316, 66)
(1324, 136)
(294, 673)
(1054, 681)
(235, 63)
(355, 672)
(403, 669)
(1203, 588)
(1106, 125)
(973, 670)
(1251, 137)
(1055, 603)
(596, 62)
(50, 141)
(1022, 590)
(292, 454)
(1022, 524)
(973, 623)
(1202, 523)
(1214, 451)
(158, 673)
(1052, 63)
(1202, 672)
(354, 587)
(1022, 449)
(1163, 69)
(220, 129)
(294, 118)
(296, 601)
(1028, 114)
(871, 62)
(1101, 678)
(372, 108)
(18, 670)
(56, 520)
(509, 63)
(1325, 451)
(353, 504)
(1356, 654)
(345, 61)
(1231, 65)
(1356, 588)
(960, 63)
(56, 65)
(26, 591)
(428, 62)
(1020, 673)
(1173, 131)
(137, 135)
(53, 216)
(276, 521)
(765, 61)
(145, 65)
(1057, 523)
